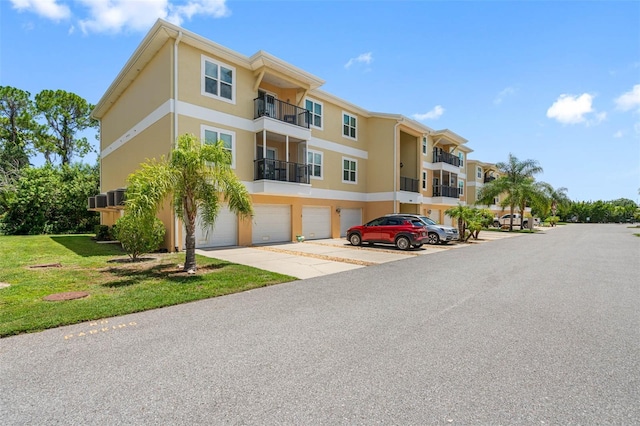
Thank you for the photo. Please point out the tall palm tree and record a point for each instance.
(557, 197)
(515, 179)
(198, 178)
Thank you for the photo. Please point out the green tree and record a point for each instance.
(67, 114)
(51, 199)
(461, 213)
(197, 177)
(514, 181)
(17, 128)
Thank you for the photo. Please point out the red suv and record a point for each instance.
(404, 232)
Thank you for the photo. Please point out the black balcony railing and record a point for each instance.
(446, 191)
(440, 156)
(408, 184)
(488, 179)
(268, 106)
(282, 171)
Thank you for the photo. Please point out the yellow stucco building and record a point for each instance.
(313, 163)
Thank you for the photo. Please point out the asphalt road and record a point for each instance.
(539, 329)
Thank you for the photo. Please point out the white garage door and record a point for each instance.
(224, 233)
(435, 215)
(316, 222)
(271, 224)
(349, 218)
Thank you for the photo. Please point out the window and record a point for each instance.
(460, 187)
(314, 159)
(461, 157)
(424, 145)
(211, 135)
(479, 172)
(496, 200)
(424, 180)
(218, 80)
(349, 126)
(316, 113)
(349, 170)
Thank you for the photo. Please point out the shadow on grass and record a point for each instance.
(132, 276)
(84, 246)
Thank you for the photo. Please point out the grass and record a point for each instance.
(115, 286)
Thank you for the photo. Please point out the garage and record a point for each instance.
(349, 218)
(224, 233)
(271, 224)
(316, 222)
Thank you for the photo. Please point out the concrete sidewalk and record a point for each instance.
(315, 258)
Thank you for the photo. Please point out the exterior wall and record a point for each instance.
(380, 161)
(151, 89)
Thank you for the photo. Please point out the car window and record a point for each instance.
(417, 222)
(376, 222)
(393, 221)
(428, 220)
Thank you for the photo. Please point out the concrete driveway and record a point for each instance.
(314, 258)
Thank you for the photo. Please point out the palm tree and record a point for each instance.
(462, 213)
(199, 178)
(515, 180)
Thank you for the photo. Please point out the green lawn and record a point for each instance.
(115, 287)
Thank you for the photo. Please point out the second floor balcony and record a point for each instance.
(270, 106)
(488, 179)
(440, 156)
(446, 191)
(282, 171)
(409, 184)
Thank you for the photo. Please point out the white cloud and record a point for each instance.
(434, 114)
(113, 16)
(569, 109)
(509, 91)
(629, 100)
(364, 58)
(49, 9)
(618, 134)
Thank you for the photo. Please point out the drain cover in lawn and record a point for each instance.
(70, 295)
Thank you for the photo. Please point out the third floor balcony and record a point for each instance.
(440, 156)
(269, 106)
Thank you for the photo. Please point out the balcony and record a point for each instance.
(440, 156)
(446, 191)
(488, 179)
(408, 184)
(282, 171)
(269, 106)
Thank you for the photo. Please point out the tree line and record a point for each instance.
(50, 198)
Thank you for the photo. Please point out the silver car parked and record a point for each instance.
(438, 234)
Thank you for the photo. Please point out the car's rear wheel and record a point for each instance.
(496, 224)
(403, 243)
(525, 225)
(433, 238)
(355, 239)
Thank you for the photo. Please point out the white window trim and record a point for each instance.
(461, 157)
(425, 145)
(313, 152)
(479, 172)
(342, 125)
(425, 175)
(204, 128)
(203, 92)
(275, 150)
(321, 115)
(461, 187)
(342, 170)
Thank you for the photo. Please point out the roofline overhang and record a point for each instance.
(162, 31)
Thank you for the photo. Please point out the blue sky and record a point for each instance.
(553, 81)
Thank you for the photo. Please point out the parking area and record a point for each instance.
(315, 258)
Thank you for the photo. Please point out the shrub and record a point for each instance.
(102, 233)
(553, 220)
(139, 234)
